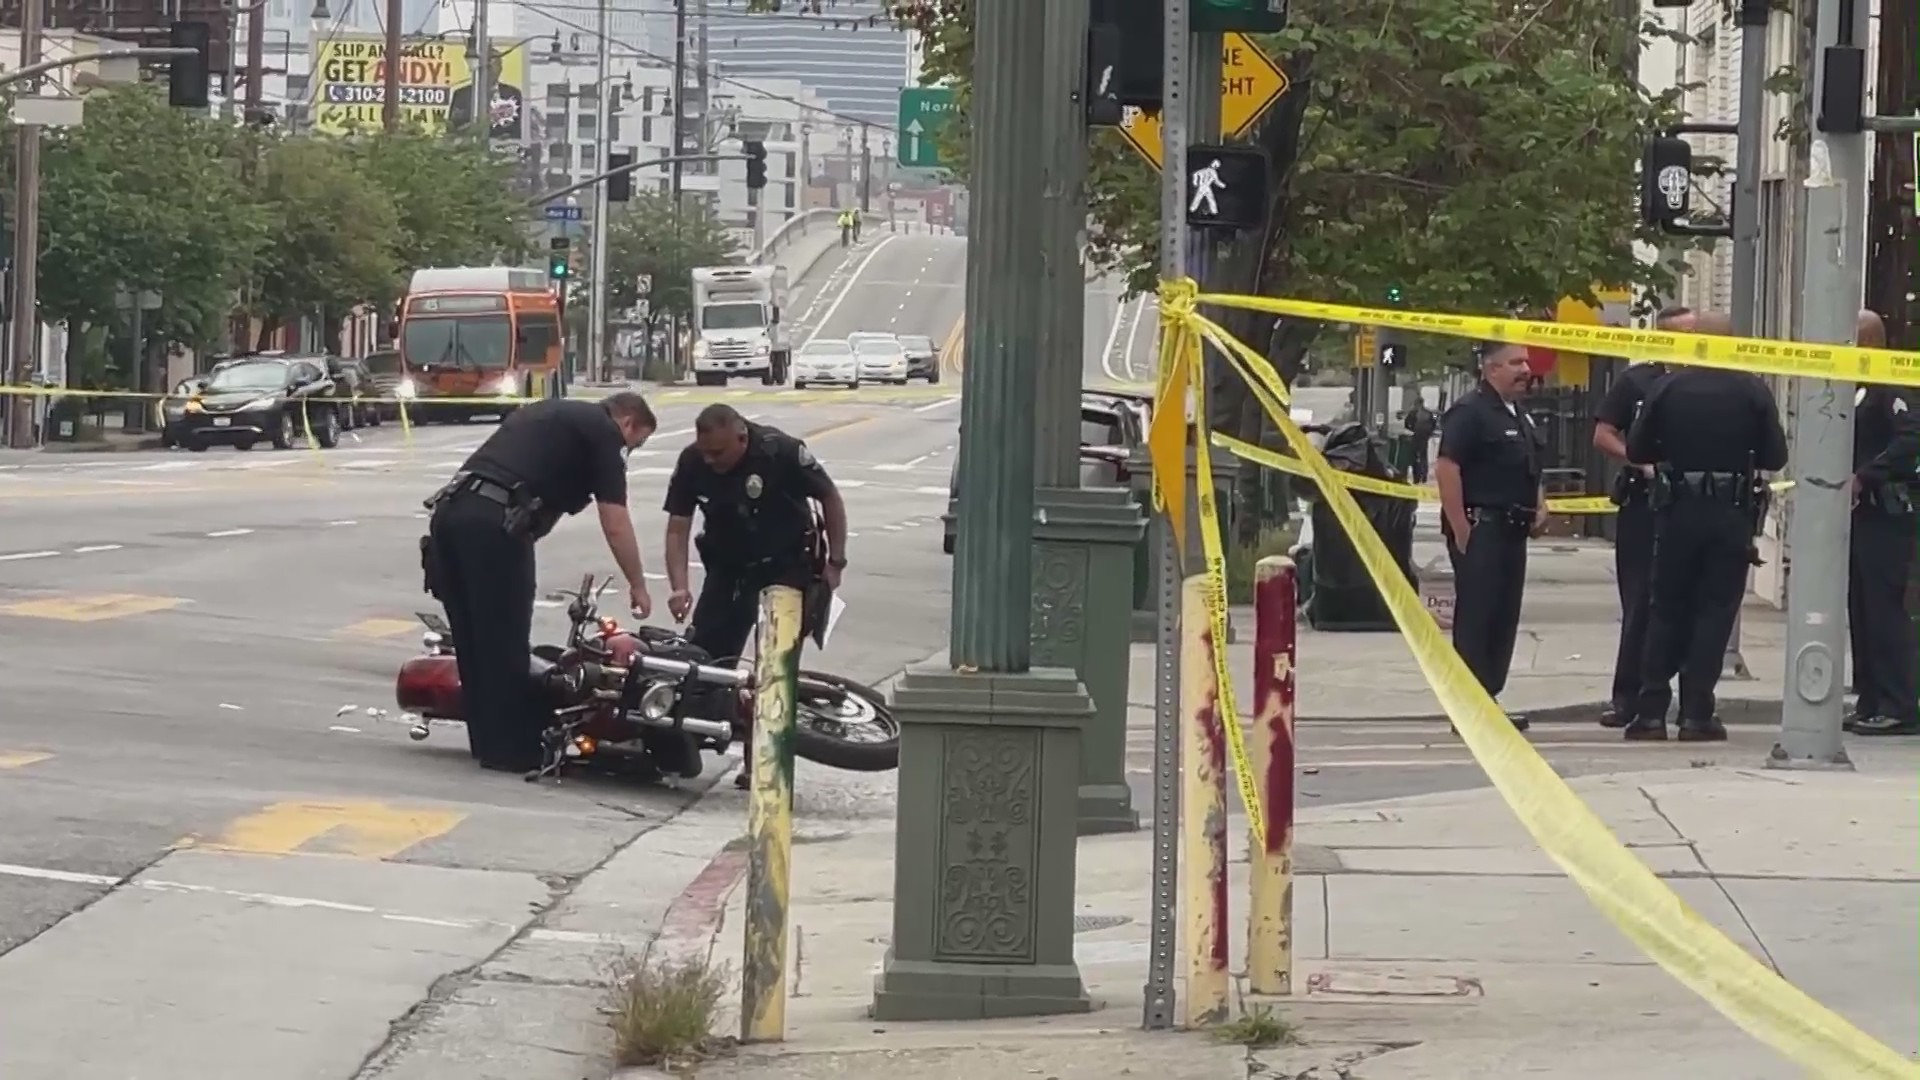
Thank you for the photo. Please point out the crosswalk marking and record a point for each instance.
(95, 608)
(366, 830)
(20, 759)
(379, 628)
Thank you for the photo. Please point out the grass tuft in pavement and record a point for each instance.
(1259, 1027)
(1242, 558)
(663, 1011)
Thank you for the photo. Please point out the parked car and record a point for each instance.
(173, 409)
(1113, 428)
(881, 358)
(275, 398)
(352, 381)
(923, 360)
(826, 360)
(385, 372)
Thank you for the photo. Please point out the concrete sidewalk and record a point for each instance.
(1433, 940)
(1562, 665)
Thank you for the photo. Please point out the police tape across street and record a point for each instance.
(1618, 884)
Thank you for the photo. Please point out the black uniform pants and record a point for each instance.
(1489, 579)
(1884, 652)
(1420, 458)
(724, 618)
(1700, 570)
(1633, 572)
(485, 577)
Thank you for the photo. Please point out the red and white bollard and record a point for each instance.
(1203, 813)
(1275, 657)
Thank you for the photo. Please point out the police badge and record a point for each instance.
(754, 486)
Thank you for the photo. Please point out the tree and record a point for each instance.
(332, 238)
(143, 196)
(454, 202)
(652, 237)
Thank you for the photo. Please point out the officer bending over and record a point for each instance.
(1491, 501)
(1886, 444)
(1710, 436)
(754, 487)
(1633, 526)
(545, 461)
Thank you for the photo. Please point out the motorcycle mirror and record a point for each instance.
(586, 586)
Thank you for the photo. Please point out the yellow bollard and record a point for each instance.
(1203, 813)
(763, 978)
(1275, 652)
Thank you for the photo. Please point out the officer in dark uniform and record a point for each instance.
(1491, 501)
(545, 461)
(1633, 527)
(1420, 423)
(1710, 436)
(1886, 444)
(754, 487)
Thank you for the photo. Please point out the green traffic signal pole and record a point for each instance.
(672, 159)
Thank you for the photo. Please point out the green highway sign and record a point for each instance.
(924, 113)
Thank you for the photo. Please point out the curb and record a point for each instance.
(152, 443)
(1738, 712)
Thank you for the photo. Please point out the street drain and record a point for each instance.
(1083, 924)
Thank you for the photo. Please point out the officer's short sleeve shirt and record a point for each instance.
(1624, 398)
(567, 452)
(1494, 445)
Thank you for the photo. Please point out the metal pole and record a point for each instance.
(763, 972)
(866, 168)
(390, 81)
(1158, 1012)
(482, 73)
(1751, 140)
(1817, 531)
(677, 177)
(233, 63)
(256, 54)
(26, 237)
(602, 207)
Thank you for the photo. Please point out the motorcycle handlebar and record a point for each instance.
(679, 669)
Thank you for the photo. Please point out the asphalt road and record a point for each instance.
(207, 869)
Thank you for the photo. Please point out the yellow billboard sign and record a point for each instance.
(436, 86)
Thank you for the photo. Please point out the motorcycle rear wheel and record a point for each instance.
(842, 724)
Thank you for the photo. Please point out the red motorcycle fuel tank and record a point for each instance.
(430, 686)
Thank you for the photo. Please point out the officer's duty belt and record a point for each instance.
(1517, 516)
(1728, 487)
(490, 490)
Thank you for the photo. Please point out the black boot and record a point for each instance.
(1616, 717)
(1886, 725)
(1646, 729)
(1707, 730)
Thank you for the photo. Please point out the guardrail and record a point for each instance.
(802, 223)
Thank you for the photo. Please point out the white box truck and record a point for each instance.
(737, 324)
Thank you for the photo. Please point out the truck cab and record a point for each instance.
(738, 328)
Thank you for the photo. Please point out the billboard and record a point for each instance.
(436, 86)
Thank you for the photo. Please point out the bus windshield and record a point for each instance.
(732, 317)
(467, 341)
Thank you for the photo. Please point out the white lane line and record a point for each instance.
(892, 468)
(1113, 334)
(649, 470)
(22, 555)
(92, 548)
(942, 403)
(165, 466)
(342, 521)
(850, 483)
(893, 528)
(224, 533)
(916, 462)
(847, 289)
(931, 491)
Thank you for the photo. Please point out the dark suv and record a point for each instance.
(353, 382)
(923, 360)
(1113, 427)
(275, 398)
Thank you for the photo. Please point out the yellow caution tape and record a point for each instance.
(1672, 934)
(1845, 363)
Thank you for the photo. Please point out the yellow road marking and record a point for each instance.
(19, 759)
(840, 426)
(953, 354)
(366, 830)
(96, 608)
(379, 628)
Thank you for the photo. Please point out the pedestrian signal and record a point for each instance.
(187, 75)
(1226, 187)
(1666, 182)
(756, 164)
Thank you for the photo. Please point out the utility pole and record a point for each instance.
(1179, 105)
(602, 206)
(390, 81)
(256, 55)
(482, 73)
(677, 177)
(1750, 145)
(866, 168)
(24, 348)
(1834, 267)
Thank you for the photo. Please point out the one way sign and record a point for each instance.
(1226, 187)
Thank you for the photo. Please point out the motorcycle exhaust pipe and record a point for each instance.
(692, 725)
(706, 673)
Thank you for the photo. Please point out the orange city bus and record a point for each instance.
(478, 332)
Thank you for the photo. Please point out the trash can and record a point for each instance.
(1344, 596)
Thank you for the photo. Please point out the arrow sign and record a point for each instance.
(924, 111)
(564, 213)
(913, 144)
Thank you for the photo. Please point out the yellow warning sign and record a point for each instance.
(1250, 82)
(1366, 347)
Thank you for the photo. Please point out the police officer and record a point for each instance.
(545, 461)
(1633, 527)
(1491, 501)
(1710, 435)
(754, 487)
(1420, 424)
(1886, 444)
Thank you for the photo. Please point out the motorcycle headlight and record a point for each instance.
(405, 390)
(658, 701)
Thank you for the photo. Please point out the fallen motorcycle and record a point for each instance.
(612, 686)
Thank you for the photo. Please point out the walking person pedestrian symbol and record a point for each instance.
(1206, 181)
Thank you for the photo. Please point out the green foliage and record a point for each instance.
(332, 242)
(1479, 153)
(650, 236)
(454, 201)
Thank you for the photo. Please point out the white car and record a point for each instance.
(882, 358)
(826, 360)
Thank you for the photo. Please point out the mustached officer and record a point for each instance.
(1491, 501)
(1633, 526)
(1886, 444)
(1709, 435)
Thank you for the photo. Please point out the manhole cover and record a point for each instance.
(1083, 924)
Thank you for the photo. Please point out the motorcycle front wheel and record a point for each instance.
(844, 725)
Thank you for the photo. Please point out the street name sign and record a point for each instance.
(1250, 82)
(563, 213)
(925, 112)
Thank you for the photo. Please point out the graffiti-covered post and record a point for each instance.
(1275, 658)
(1203, 812)
(763, 981)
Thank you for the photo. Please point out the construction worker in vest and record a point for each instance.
(848, 223)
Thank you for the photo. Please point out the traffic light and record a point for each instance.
(1394, 295)
(756, 164)
(187, 75)
(619, 184)
(558, 264)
